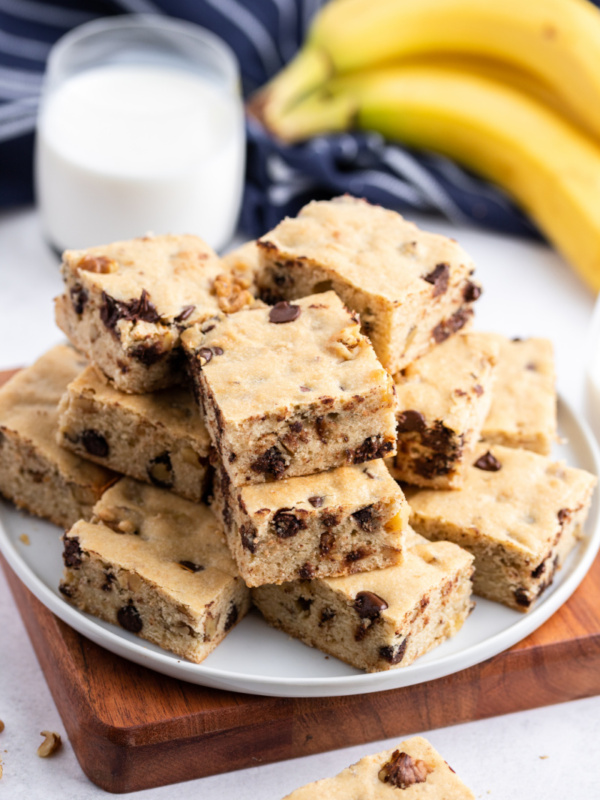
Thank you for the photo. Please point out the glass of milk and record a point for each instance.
(141, 129)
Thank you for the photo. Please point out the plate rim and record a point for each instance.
(326, 686)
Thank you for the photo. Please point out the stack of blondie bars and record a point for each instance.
(235, 430)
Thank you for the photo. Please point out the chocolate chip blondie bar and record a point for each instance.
(35, 473)
(443, 400)
(291, 390)
(126, 304)
(518, 513)
(523, 411)
(349, 519)
(413, 766)
(156, 565)
(382, 619)
(412, 289)
(159, 438)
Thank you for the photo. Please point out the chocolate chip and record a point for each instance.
(232, 457)
(321, 429)
(316, 501)
(366, 519)
(330, 519)
(539, 570)
(186, 312)
(369, 605)
(284, 312)
(393, 654)
(190, 566)
(271, 462)
(248, 537)
(231, 617)
(218, 351)
(205, 354)
(356, 555)
(521, 597)
(478, 389)
(439, 278)
(563, 515)
(160, 471)
(471, 292)
(488, 462)
(411, 421)
(148, 354)
(305, 603)
(447, 327)
(109, 579)
(531, 366)
(65, 589)
(94, 443)
(373, 447)
(286, 524)
(326, 616)
(306, 572)
(403, 771)
(326, 543)
(72, 552)
(79, 298)
(138, 310)
(129, 618)
(296, 427)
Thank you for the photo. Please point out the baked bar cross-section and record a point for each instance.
(382, 619)
(412, 766)
(126, 303)
(412, 289)
(35, 473)
(443, 400)
(523, 410)
(158, 437)
(518, 513)
(156, 565)
(349, 519)
(291, 390)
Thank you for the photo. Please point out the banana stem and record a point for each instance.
(309, 69)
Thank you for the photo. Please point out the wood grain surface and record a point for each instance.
(132, 728)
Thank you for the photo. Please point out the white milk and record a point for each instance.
(123, 150)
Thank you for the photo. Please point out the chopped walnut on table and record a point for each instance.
(51, 744)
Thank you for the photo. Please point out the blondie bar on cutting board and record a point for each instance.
(126, 304)
(350, 519)
(413, 766)
(523, 410)
(382, 619)
(518, 513)
(35, 473)
(158, 437)
(156, 565)
(412, 289)
(443, 400)
(291, 390)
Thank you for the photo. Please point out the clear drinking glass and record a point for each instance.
(141, 130)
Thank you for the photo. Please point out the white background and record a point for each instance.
(547, 753)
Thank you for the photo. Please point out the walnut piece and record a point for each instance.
(403, 771)
(232, 292)
(51, 744)
(99, 264)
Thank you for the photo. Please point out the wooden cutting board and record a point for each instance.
(133, 729)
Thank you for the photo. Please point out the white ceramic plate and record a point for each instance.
(257, 659)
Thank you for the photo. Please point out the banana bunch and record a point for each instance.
(510, 89)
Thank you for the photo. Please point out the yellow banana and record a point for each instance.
(556, 41)
(546, 164)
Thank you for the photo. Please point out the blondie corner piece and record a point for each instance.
(523, 411)
(156, 565)
(35, 473)
(158, 438)
(443, 400)
(413, 766)
(350, 519)
(412, 289)
(382, 619)
(126, 304)
(518, 513)
(291, 390)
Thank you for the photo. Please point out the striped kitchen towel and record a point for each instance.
(264, 34)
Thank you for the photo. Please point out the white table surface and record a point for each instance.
(547, 753)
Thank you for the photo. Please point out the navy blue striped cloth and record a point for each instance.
(264, 34)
